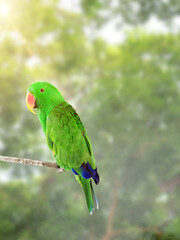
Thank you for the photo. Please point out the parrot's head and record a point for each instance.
(43, 96)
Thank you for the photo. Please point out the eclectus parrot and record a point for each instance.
(66, 136)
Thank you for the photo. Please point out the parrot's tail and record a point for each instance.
(89, 194)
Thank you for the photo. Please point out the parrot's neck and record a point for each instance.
(42, 118)
(44, 111)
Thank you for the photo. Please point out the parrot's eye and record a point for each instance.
(42, 90)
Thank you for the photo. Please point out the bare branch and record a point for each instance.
(31, 162)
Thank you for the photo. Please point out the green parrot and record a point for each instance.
(66, 136)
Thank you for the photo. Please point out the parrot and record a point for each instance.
(66, 136)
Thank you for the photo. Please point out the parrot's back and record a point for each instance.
(68, 139)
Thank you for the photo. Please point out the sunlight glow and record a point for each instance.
(4, 10)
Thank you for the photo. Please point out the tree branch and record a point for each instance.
(31, 162)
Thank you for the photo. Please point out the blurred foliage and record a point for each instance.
(128, 98)
(131, 12)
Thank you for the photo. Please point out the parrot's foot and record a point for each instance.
(60, 170)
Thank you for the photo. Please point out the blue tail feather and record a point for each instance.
(86, 171)
(94, 173)
(74, 171)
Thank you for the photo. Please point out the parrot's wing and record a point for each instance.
(67, 138)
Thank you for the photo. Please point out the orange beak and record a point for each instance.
(31, 102)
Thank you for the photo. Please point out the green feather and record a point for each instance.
(86, 184)
(65, 133)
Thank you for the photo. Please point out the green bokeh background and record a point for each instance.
(128, 97)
